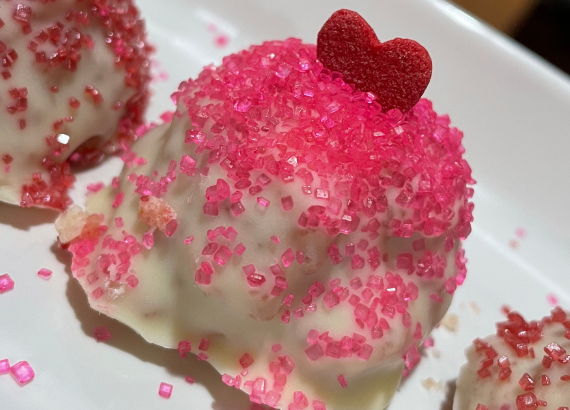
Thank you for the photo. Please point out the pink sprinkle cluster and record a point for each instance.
(165, 390)
(321, 345)
(335, 135)
(114, 261)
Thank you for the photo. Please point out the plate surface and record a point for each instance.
(513, 109)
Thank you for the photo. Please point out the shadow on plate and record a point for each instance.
(25, 218)
(127, 340)
(449, 394)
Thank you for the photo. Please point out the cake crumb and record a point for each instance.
(431, 384)
(450, 322)
(475, 307)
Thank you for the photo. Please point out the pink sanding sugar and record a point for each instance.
(44, 273)
(102, 333)
(221, 40)
(165, 390)
(6, 283)
(22, 372)
(4, 366)
(95, 187)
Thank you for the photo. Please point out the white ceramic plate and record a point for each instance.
(513, 109)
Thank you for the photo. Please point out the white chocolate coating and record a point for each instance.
(97, 68)
(167, 306)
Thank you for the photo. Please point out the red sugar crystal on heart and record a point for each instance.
(22, 372)
(6, 283)
(165, 390)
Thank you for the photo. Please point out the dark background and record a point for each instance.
(541, 25)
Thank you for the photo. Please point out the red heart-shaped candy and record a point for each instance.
(397, 71)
